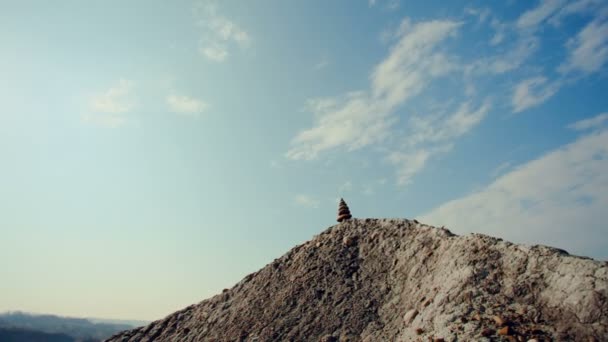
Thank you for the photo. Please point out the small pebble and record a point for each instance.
(410, 315)
(505, 331)
(500, 321)
(487, 332)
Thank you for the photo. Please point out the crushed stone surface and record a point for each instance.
(400, 280)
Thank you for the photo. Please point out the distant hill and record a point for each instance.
(24, 335)
(20, 326)
(399, 280)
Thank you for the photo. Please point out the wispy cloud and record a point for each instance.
(322, 64)
(411, 162)
(575, 7)
(532, 92)
(108, 108)
(591, 123)
(412, 63)
(568, 186)
(482, 14)
(532, 18)
(500, 31)
(485, 15)
(306, 201)
(115, 100)
(445, 126)
(419, 56)
(186, 105)
(433, 135)
(521, 50)
(351, 122)
(220, 33)
(389, 4)
(215, 52)
(500, 169)
(361, 118)
(588, 51)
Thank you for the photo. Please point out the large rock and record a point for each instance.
(362, 280)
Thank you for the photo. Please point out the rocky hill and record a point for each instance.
(399, 280)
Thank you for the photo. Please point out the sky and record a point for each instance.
(155, 152)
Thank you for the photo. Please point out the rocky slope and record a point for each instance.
(399, 280)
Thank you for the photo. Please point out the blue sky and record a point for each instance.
(155, 152)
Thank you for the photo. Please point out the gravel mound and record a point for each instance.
(399, 280)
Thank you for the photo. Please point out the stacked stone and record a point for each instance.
(343, 211)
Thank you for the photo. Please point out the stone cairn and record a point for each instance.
(343, 212)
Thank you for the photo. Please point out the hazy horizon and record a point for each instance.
(91, 319)
(155, 153)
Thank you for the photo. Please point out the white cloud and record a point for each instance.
(216, 53)
(591, 123)
(390, 4)
(412, 62)
(559, 199)
(444, 127)
(532, 92)
(109, 107)
(306, 201)
(522, 49)
(220, 33)
(589, 47)
(532, 18)
(554, 11)
(588, 51)
(575, 7)
(352, 122)
(482, 14)
(500, 169)
(411, 162)
(186, 105)
(433, 135)
(392, 34)
(393, 4)
(499, 32)
(362, 118)
(322, 64)
(116, 100)
(462, 121)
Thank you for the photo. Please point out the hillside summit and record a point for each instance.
(399, 280)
